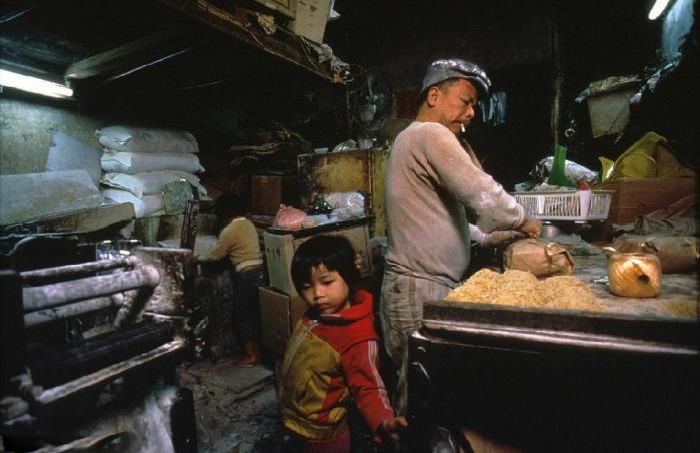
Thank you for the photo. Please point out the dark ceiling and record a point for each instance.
(156, 57)
(156, 50)
(151, 50)
(45, 37)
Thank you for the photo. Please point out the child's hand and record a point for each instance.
(391, 428)
(359, 261)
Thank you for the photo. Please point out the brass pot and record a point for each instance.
(634, 274)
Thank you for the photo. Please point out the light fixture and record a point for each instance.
(34, 85)
(658, 9)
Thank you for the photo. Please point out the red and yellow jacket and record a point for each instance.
(330, 362)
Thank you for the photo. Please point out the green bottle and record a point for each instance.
(557, 177)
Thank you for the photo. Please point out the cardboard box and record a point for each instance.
(279, 314)
(636, 196)
(311, 17)
(286, 7)
(269, 191)
(280, 248)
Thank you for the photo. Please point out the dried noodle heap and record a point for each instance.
(522, 289)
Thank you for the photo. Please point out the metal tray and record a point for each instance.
(562, 328)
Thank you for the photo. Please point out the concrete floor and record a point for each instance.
(236, 408)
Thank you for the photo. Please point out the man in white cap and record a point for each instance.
(430, 179)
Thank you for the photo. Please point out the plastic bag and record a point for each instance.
(346, 205)
(574, 172)
(289, 218)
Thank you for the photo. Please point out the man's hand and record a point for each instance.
(494, 238)
(531, 227)
(359, 261)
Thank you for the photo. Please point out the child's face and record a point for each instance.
(327, 291)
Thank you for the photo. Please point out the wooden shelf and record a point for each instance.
(241, 24)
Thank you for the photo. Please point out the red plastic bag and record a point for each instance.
(288, 218)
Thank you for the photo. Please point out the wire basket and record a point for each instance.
(574, 205)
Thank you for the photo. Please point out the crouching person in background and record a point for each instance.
(332, 358)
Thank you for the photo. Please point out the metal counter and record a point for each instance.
(625, 379)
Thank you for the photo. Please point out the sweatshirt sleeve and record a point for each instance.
(360, 366)
(454, 170)
(476, 234)
(223, 245)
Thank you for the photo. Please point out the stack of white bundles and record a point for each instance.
(138, 161)
(150, 182)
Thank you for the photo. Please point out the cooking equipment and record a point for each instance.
(554, 380)
(549, 230)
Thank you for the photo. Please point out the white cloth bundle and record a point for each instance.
(143, 207)
(136, 162)
(146, 140)
(150, 182)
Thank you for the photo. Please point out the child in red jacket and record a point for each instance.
(332, 357)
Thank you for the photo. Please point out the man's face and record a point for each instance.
(455, 104)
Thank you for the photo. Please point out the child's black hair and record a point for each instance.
(334, 252)
(226, 207)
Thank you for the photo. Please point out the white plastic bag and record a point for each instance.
(132, 163)
(146, 140)
(574, 172)
(346, 205)
(150, 182)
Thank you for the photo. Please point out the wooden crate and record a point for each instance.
(269, 191)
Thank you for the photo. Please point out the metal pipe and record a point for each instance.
(43, 297)
(171, 352)
(51, 314)
(76, 270)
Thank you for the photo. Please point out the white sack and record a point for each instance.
(67, 153)
(150, 182)
(145, 140)
(132, 163)
(143, 207)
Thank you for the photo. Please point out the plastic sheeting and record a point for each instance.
(67, 153)
(35, 196)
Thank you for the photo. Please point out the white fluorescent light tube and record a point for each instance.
(657, 9)
(34, 85)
